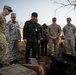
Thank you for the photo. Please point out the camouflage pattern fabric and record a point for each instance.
(54, 30)
(69, 36)
(12, 36)
(2, 39)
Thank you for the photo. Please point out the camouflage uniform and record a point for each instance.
(54, 30)
(69, 36)
(31, 32)
(2, 38)
(12, 36)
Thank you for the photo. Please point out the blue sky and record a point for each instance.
(44, 8)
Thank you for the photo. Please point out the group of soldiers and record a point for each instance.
(35, 36)
(9, 33)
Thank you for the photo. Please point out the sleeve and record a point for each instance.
(25, 31)
(39, 33)
(59, 31)
(49, 31)
(7, 33)
(19, 33)
(64, 30)
(74, 30)
(40, 30)
(1, 18)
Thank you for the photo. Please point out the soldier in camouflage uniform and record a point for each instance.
(13, 36)
(6, 11)
(69, 37)
(31, 34)
(54, 33)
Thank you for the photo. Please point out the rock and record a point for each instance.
(17, 70)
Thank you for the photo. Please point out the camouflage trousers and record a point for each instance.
(13, 50)
(3, 48)
(53, 45)
(69, 46)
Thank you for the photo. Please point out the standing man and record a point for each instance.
(31, 34)
(69, 37)
(54, 33)
(13, 36)
(6, 11)
(44, 40)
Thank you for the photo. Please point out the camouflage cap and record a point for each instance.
(54, 18)
(13, 15)
(8, 8)
(68, 18)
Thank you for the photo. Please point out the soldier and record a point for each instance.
(54, 33)
(6, 11)
(31, 34)
(69, 37)
(12, 37)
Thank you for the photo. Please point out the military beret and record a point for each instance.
(34, 14)
(8, 8)
(13, 15)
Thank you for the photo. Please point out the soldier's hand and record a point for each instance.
(38, 41)
(8, 42)
(54, 38)
(41, 38)
(19, 40)
(25, 40)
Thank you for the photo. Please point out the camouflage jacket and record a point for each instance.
(12, 31)
(69, 31)
(2, 23)
(54, 30)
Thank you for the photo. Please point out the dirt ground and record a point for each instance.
(21, 57)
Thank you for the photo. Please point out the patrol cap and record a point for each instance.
(8, 8)
(13, 15)
(34, 14)
(68, 18)
(54, 18)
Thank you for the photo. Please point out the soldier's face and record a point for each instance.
(13, 18)
(7, 12)
(68, 21)
(54, 21)
(34, 19)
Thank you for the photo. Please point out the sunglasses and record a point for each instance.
(13, 17)
(54, 20)
(9, 10)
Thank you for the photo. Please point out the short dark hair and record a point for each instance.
(34, 14)
(44, 25)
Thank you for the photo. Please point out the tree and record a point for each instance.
(69, 3)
